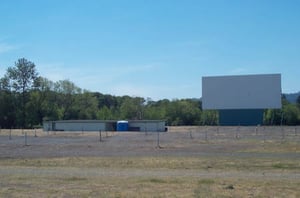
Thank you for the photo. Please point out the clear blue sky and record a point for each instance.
(152, 48)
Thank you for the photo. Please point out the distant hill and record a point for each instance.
(292, 97)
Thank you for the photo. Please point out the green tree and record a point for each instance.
(86, 105)
(209, 117)
(155, 110)
(291, 114)
(183, 112)
(22, 76)
(65, 98)
(272, 116)
(132, 108)
(7, 107)
(105, 114)
(40, 104)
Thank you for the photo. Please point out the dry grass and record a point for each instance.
(72, 186)
(149, 177)
(171, 163)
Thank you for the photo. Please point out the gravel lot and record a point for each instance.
(179, 141)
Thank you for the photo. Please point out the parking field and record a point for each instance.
(183, 162)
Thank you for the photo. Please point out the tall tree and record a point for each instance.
(41, 105)
(22, 77)
(132, 108)
(7, 107)
(86, 105)
(66, 91)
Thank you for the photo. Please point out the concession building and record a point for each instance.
(105, 125)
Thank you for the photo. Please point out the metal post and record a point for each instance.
(206, 138)
(191, 136)
(100, 136)
(158, 145)
(237, 132)
(10, 134)
(25, 138)
(295, 131)
(281, 120)
(256, 130)
(282, 133)
(35, 133)
(146, 130)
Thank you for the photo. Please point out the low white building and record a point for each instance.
(147, 125)
(104, 125)
(78, 125)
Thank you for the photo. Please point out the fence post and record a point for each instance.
(237, 132)
(35, 133)
(191, 136)
(282, 133)
(146, 130)
(158, 145)
(100, 136)
(25, 138)
(256, 130)
(10, 134)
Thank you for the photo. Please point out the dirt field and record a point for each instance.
(184, 162)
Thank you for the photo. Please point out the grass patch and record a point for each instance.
(74, 179)
(171, 163)
(204, 188)
(156, 180)
(206, 182)
(286, 166)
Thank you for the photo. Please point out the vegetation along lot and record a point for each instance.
(185, 162)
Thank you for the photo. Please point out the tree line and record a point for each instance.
(27, 99)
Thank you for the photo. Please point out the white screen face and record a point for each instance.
(242, 92)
